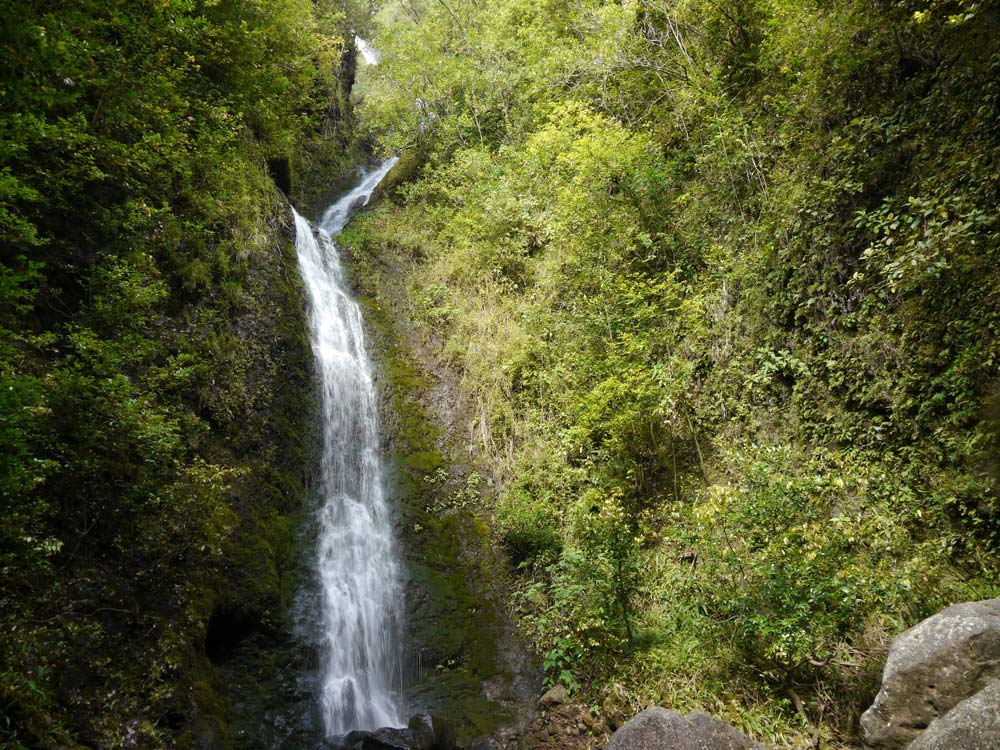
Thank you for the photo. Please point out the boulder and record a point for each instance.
(714, 733)
(932, 667)
(660, 729)
(390, 738)
(974, 724)
(555, 696)
(423, 732)
(350, 741)
(436, 733)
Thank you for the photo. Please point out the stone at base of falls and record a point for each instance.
(932, 667)
(974, 724)
(423, 732)
(660, 729)
(554, 696)
(435, 731)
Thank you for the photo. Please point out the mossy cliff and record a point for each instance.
(153, 361)
(468, 664)
(243, 609)
(126, 640)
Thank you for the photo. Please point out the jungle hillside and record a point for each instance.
(153, 356)
(687, 313)
(718, 284)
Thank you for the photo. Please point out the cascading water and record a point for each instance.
(360, 594)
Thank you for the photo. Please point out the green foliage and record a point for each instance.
(720, 283)
(800, 560)
(145, 314)
(528, 528)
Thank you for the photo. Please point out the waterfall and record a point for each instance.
(358, 570)
(370, 55)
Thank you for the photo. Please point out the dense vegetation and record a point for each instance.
(152, 361)
(720, 281)
(716, 283)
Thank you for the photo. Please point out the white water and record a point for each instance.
(357, 563)
(370, 55)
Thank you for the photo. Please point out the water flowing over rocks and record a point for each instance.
(356, 614)
(659, 729)
(941, 676)
(371, 55)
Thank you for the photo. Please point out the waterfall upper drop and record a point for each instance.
(370, 55)
(358, 569)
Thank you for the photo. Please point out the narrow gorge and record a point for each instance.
(625, 376)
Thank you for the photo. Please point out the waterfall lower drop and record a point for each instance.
(360, 594)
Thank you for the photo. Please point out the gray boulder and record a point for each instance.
(716, 734)
(554, 696)
(660, 729)
(974, 724)
(932, 667)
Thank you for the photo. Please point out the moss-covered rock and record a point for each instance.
(468, 664)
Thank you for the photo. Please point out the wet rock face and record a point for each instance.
(974, 724)
(423, 732)
(658, 729)
(932, 668)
